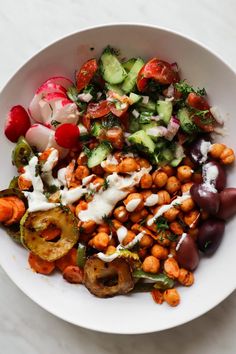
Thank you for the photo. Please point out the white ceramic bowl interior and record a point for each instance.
(215, 276)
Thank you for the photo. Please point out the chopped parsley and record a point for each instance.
(161, 223)
(185, 89)
(55, 123)
(107, 219)
(105, 184)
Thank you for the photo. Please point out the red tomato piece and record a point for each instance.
(98, 110)
(197, 102)
(118, 112)
(86, 73)
(141, 81)
(200, 103)
(67, 135)
(17, 123)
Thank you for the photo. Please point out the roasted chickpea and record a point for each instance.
(171, 214)
(110, 250)
(128, 238)
(138, 216)
(185, 188)
(163, 238)
(153, 226)
(176, 228)
(227, 156)
(171, 296)
(159, 179)
(187, 205)
(81, 172)
(143, 162)
(185, 277)
(100, 241)
(146, 241)
(216, 150)
(169, 170)
(173, 185)
(103, 228)
(146, 194)
(116, 137)
(159, 251)
(82, 159)
(163, 197)
(109, 168)
(128, 165)
(191, 219)
(98, 170)
(151, 265)
(134, 202)
(88, 226)
(171, 268)
(116, 224)
(146, 181)
(98, 182)
(121, 214)
(184, 173)
(82, 205)
(157, 296)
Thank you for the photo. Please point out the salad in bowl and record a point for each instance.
(120, 185)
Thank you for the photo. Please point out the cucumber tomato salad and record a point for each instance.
(119, 184)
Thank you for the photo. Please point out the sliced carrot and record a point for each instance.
(23, 183)
(18, 209)
(39, 265)
(70, 259)
(73, 274)
(50, 233)
(6, 210)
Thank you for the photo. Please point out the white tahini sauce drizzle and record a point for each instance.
(180, 241)
(210, 174)
(204, 149)
(135, 240)
(87, 179)
(72, 195)
(104, 201)
(132, 204)
(166, 207)
(151, 200)
(121, 233)
(36, 199)
(47, 167)
(110, 160)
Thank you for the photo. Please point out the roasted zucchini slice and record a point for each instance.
(32, 225)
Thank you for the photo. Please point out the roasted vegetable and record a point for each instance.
(107, 279)
(162, 281)
(32, 224)
(21, 153)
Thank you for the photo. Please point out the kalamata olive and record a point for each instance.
(227, 203)
(206, 199)
(199, 150)
(210, 235)
(187, 254)
(218, 179)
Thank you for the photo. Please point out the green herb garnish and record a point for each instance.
(55, 123)
(185, 89)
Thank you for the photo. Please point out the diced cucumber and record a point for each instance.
(147, 107)
(176, 162)
(96, 129)
(186, 122)
(134, 125)
(143, 141)
(114, 88)
(134, 97)
(111, 68)
(150, 130)
(131, 78)
(99, 154)
(127, 65)
(164, 109)
(167, 155)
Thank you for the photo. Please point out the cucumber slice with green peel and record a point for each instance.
(167, 155)
(147, 107)
(186, 122)
(131, 78)
(111, 69)
(127, 65)
(150, 130)
(176, 162)
(114, 88)
(96, 129)
(134, 125)
(164, 109)
(134, 97)
(99, 154)
(143, 141)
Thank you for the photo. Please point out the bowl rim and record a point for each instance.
(45, 48)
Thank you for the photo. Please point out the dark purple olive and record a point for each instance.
(227, 203)
(220, 181)
(198, 151)
(206, 199)
(187, 254)
(210, 235)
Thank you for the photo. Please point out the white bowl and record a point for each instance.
(215, 276)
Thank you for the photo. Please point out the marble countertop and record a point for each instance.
(27, 26)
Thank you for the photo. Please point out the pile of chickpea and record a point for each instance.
(157, 248)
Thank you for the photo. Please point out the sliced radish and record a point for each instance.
(60, 80)
(64, 111)
(50, 87)
(42, 138)
(67, 136)
(17, 123)
(54, 96)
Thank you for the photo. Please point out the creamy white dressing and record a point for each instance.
(121, 233)
(107, 258)
(72, 195)
(181, 240)
(132, 204)
(110, 160)
(87, 179)
(166, 207)
(210, 174)
(137, 238)
(61, 176)
(151, 200)
(104, 201)
(204, 149)
(47, 167)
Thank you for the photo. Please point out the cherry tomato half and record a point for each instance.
(86, 73)
(200, 103)
(98, 110)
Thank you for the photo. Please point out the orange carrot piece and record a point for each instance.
(18, 209)
(70, 259)
(39, 265)
(6, 210)
(73, 274)
(50, 233)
